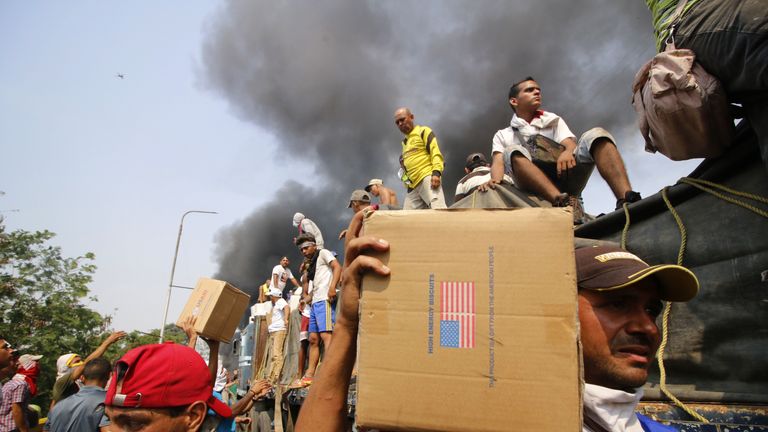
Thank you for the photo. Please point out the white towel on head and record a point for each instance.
(297, 219)
(63, 364)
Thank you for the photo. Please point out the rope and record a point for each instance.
(710, 187)
(625, 231)
(666, 314)
(715, 190)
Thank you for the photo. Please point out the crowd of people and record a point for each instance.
(160, 387)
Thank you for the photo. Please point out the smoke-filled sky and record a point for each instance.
(260, 109)
(325, 78)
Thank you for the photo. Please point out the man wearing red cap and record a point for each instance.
(619, 298)
(162, 387)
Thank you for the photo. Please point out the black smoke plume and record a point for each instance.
(325, 78)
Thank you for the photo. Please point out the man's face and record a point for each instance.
(528, 97)
(5, 353)
(11, 368)
(358, 205)
(619, 335)
(284, 262)
(146, 420)
(404, 120)
(374, 189)
(308, 251)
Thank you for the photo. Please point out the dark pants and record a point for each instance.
(730, 39)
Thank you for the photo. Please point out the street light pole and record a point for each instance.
(173, 268)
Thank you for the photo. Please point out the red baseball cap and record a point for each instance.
(162, 376)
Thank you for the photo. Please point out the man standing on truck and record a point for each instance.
(278, 329)
(537, 141)
(421, 164)
(281, 274)
(323, 271)
(619, 298)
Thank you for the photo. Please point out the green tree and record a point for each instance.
(42, 310)
(41, 301)
(138, 338)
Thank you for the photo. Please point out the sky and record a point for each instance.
(257, 110)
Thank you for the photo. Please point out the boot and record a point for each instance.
(629, 198)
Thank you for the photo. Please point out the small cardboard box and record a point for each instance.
(218, 307)
(476, 328)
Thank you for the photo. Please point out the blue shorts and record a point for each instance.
(322, 317)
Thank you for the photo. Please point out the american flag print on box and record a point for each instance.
(457, 314)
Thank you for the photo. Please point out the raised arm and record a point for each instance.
(258, 389)
(326, 405)
(188, 325)
(213, 359)
(112, 338)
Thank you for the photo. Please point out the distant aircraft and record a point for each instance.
(121, 76)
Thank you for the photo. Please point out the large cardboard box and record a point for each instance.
(476, 329)
(218, 307)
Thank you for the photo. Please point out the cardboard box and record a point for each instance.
(477, 327)
(218, 307)
(261, 309)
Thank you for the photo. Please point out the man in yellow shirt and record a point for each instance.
(421, 159)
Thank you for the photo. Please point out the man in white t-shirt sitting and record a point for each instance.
(280, 275)
(278, 329)
(521, 150)
(324, 272)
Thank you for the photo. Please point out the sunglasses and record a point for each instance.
(6, 346)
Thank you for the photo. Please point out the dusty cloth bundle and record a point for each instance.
(682, 110)
(544, 154)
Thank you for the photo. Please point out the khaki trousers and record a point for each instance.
(276, 366)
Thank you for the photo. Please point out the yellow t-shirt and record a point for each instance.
(421, 155)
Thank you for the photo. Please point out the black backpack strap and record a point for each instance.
(428, 140)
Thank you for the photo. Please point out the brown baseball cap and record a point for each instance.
(475, 160)
(359, 195)
(606, 268)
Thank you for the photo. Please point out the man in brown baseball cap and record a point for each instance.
(620, 297)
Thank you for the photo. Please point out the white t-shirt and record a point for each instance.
(479, 175)
(283, 274)
(323, 276)
(278, 316)
(547, 124)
